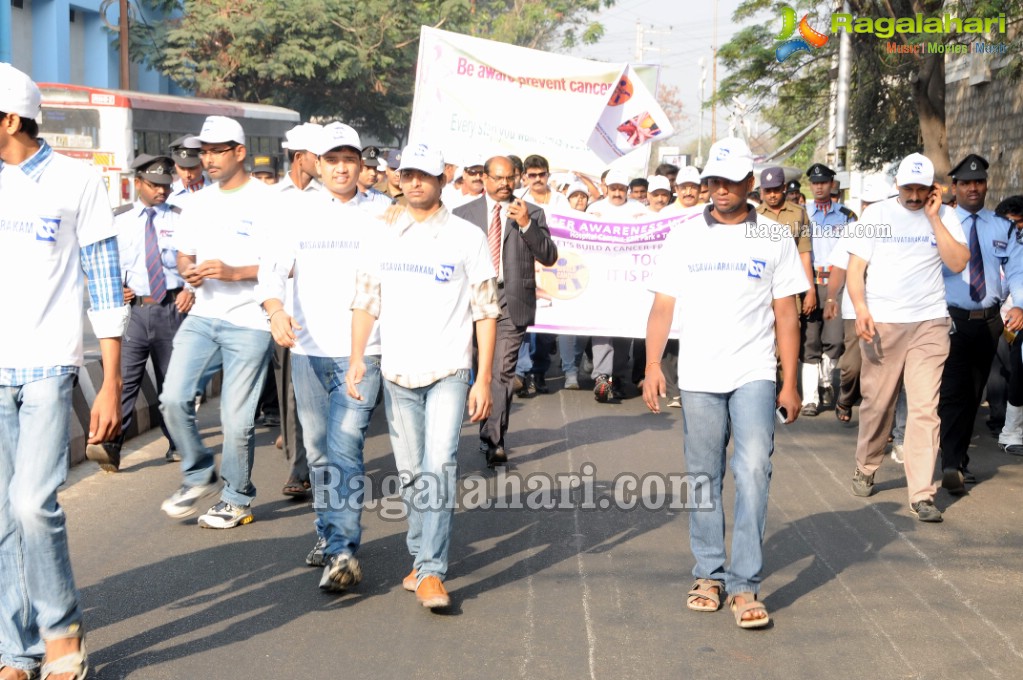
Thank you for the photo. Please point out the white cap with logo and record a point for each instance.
(577, 187)
(18, 94)
(915, 168)
(421, 157)
(334, 136)
(219, 129)
(729, 158)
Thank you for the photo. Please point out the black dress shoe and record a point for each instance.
(172, 455)
(496, 455)
(540, 383)
(968, 477)
(107, 455)
(528, 388)
(952, 481)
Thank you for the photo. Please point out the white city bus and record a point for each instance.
(108, 128)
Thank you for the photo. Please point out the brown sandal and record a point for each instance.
(751, 604)
(296, 488)
(702, 590)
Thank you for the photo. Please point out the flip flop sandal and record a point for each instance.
(752, 604)
(296, 488)
(843, 413)
(702, 589)
(29, 675)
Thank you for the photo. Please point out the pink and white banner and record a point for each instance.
(477, 98)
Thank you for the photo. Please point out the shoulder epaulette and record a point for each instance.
(175, 209)
(123, 209)
(848, 213)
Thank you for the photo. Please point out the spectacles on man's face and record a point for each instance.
(536, 175)
(509, 179)
(215, 152)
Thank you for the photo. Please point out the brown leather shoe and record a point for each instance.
(410, 582)
(431, 593)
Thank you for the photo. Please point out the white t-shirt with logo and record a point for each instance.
(426, 272)
(904, 278)
(231, 226)
(325, 247)
(42, 228)
(724, 282)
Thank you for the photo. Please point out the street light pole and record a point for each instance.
(122, 42)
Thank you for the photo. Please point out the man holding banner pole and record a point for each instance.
(517, 237)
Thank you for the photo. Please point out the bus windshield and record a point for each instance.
(70, 128)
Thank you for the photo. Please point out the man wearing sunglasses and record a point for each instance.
(219, 240)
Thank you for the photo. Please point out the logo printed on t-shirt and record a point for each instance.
(46, 229)
(443, 273)
(934, 242)
(756, 268)
(245, 229)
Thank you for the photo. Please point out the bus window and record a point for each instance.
(70, 128)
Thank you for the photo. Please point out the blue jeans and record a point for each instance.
(334, 431)
(425, 425)
(38, 599)
(707, 418)
(571, 347)
(244, 353)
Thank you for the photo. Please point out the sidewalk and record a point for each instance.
(856, 587)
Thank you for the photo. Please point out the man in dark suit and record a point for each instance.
(517, 237)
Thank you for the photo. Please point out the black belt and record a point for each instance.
(974, 314)
(140, 301)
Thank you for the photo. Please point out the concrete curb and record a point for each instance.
(147, 406)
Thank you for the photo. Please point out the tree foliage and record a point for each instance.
(336, 58)
(896, 102)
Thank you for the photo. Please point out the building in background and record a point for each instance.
(67, 41)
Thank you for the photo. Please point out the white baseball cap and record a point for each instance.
(334, 136)
(577, 187)
(422, 157)
(915, 168)
(658, 183)
(876, 189)
(729, 158)
(18, 94)
(217, 129)
(616, 177)
(688, 175)
(301, 137)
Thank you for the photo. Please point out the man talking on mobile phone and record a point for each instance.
(517, 238)
(903, 323)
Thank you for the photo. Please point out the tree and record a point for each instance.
(336, 58)
(897, 101)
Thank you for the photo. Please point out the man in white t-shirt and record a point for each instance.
(56, 229)
(321, 252)
(727, 369)
(429, 280)
(219, 239)
(903, 324)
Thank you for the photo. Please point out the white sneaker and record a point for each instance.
(183, 502)
(341, 573)
(897, 454)
(224, 515)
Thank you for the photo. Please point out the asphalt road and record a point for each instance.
(857, 587)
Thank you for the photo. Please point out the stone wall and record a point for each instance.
(984, 115)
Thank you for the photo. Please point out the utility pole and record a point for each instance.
(639, 42)
(122, 43)
(703, 88)
(842, 97)
(714, 90)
